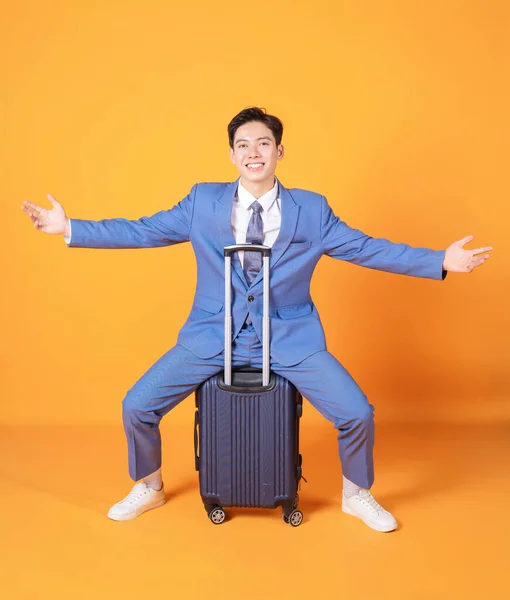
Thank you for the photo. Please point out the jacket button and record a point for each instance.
(251, 298)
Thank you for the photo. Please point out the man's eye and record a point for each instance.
(265, 143)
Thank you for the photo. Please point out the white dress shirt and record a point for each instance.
(241, 215)
(67, 240)
(270, 213)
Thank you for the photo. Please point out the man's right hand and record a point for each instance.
(49, 221)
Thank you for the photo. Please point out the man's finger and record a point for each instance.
(32, 205)
(465, 240)
(53, 200)
(480, 250)
(479, 261)
(30, 212)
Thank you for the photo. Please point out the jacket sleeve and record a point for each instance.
(164, 228)
(352, 245)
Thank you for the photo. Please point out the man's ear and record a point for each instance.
(232, 159)
(281, 152)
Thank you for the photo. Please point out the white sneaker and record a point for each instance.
(140, 498)
(364, 506)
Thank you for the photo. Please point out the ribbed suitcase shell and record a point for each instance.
(248, 445)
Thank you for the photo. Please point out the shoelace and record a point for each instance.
(137, 492)
(368, 500)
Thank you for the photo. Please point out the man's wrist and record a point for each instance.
(444, 262)
(67, 232)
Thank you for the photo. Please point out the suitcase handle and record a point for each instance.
(231, 250)
(196, 442)
(266, 253)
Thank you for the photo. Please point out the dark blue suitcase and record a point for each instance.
(247, 429)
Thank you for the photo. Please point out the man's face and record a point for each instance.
(255, 153)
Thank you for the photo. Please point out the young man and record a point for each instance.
(300, 227)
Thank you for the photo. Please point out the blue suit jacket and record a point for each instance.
(309, 229)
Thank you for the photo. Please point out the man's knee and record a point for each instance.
(365, 412)
(360, 413)
(135, 407)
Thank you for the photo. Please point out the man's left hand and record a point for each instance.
(459, 260)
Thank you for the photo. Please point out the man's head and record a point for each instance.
(255, 144)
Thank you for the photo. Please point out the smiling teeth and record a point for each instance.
(254, 165)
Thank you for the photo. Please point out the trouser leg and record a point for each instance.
(169, 381)
(327, 385)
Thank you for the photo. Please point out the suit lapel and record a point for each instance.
(224, 223)
(289, 212)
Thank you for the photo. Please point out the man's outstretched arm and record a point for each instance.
(164, 228)
(352, 245)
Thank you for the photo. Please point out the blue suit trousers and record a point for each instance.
(320, 378)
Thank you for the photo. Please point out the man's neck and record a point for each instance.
(258, 188)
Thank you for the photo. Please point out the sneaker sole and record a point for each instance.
(371, 524)
(139, 512)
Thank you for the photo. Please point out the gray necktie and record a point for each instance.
(254, 235)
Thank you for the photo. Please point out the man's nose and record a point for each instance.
(254, 152)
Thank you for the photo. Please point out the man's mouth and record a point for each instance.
(255, 166)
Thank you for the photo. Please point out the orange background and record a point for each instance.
(396, 111)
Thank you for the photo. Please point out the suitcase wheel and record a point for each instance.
(217, 515)
(295, 518)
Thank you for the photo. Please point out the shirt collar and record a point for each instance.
(246, 199)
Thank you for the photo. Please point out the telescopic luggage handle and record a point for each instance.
(266, 253)
(230, 250)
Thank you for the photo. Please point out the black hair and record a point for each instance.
(253, 113)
